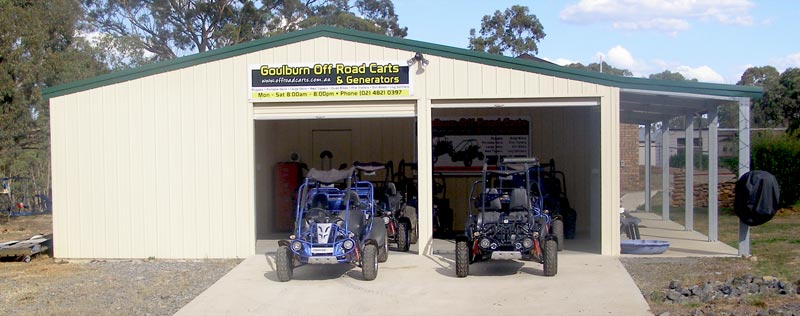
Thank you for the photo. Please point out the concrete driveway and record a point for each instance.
(408, 284)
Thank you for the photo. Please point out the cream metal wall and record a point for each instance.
(163, 165)
(159, 167)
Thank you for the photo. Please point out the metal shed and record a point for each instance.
(169, 160)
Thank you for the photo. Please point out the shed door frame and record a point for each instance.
(589, 102)
(334, 110)
(369, 109)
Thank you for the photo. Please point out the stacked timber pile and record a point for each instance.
(725, 191)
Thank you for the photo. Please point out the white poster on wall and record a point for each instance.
(463, 144)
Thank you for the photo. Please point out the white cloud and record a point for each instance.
(788, 61)
(702, 74)
(620, 57)
(559, 61)
(669, 16)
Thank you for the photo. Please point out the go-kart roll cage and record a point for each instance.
(323, 181)
(516, 167)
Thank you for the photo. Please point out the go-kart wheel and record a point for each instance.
(462, 259)
(550, 257)
(383, 252)
(557, 230)
(369, 262)
(414, 235)
(284, 262)
(411, 214)
(402, 237)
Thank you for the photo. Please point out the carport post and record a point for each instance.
(647, 159)
(665, 197)
(744, 167)
(688, 192)
(713, 180)
(425, 178)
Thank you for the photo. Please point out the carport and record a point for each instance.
(647, 107)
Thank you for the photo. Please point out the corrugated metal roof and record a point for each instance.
(410, 45)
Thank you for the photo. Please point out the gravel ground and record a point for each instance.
(151, 287)
(654, 276)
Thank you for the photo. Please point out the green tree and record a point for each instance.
(785, 94)
(144, 31)
(668, 75)
(513, 31)
(606, 69)
(37, 49)
(766, 111)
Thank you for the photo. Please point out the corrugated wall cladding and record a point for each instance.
(156, 167)
(163, 165)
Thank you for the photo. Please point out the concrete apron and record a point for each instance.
(408, 284)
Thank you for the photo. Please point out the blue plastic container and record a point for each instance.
(644, 247)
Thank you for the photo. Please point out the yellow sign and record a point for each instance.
(329, 81)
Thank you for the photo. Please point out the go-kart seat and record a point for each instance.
(490, 213)
(355, 216)
(519, 205)
(392, 198)
(320, 201)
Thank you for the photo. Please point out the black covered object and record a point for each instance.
(757, 197)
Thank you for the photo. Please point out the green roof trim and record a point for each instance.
(714, 89)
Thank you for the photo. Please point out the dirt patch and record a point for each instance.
(23, 227)
(137, 287)
(45, 287)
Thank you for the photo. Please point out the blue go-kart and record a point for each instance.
(506, 220)
(335, 223)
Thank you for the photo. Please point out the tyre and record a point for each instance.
(557, 230)
(411, 214)
(462, 259)
(550, 257)
(383, 252)
(284, 262)
(369, 262)
(414, 235)
(402, 237)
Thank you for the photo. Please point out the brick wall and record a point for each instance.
(629, 157)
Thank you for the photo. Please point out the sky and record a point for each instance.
(710, 40)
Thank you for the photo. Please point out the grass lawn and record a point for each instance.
(776, 244)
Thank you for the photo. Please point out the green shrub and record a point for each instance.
(730, 163)
(679, 160)
(780, 156)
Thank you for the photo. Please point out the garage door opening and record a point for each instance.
(285, 149)
(569, 135)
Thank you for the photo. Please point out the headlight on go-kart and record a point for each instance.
(348, 244)
(386, 220)
(485, 243)
(527, 242)
(297, 245)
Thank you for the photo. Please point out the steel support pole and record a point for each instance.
(744, 166)
(713, 178)
(688, 191)
(665, 196)
(647, 148)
